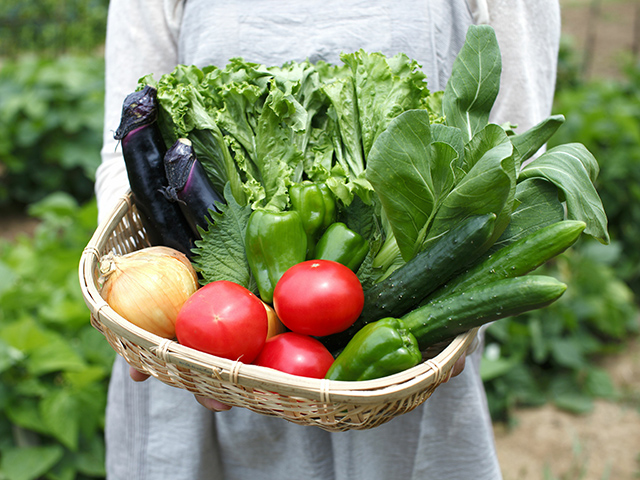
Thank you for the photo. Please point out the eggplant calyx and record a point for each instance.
(138, 109)
(171, 194)
(178, 163)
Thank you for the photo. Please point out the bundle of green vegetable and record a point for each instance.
(450, 211)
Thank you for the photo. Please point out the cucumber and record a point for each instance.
(517, 258)
(443, 319)
(407, 286)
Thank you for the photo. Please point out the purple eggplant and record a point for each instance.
(143, 149)
(189, 185)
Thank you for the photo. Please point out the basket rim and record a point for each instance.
(390, 388)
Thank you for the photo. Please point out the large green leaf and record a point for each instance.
(573, 169)
(474, 83)
(488, 187)
(220, 253)
(537, 206)
(61, 414)
(411, 175)
(29, 463)
(529, 142)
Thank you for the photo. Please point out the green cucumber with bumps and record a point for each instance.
(409, 285)
(516, 259)
(455, 314)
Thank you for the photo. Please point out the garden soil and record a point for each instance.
(547, 443)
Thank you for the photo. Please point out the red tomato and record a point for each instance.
(224, 319)
(318, 297)
(296, 354)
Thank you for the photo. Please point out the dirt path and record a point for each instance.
(605, 31)
(548, 443)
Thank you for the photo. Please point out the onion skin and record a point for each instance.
(275, 325)
(148, 287)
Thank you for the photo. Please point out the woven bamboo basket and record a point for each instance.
(328, 404)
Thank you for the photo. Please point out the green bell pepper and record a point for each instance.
(274, 242)
(316, 206)
(343, 245)
(378, 349)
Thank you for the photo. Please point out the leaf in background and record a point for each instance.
(573, 170)
(474, 82)
(529, 142)
(220, 254)
(26, 335)
(60, 413)
(29, 463)
(537, 206)
(492, 368)
(7, 278)
(26, 413)
(9, 356)
(56, 355)
(411, 176)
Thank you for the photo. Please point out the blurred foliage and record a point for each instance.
(605, 117)
(551, 354)
(54, 366)
(569, 65)
(52, 27)
(51, 116)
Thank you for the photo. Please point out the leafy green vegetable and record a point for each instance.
(371, 130)
(537, 206)
(427, 185)
(411, 175)
(474, 83)
(430, 177)
(573, 170)
(220, 255)
(531, 141)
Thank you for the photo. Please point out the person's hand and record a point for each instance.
(208, 403)
(458, 367)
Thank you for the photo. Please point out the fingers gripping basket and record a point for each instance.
(330, 405)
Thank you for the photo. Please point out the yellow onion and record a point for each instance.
(148, 287)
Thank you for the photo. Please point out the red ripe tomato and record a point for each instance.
(296, 354)
(224, 319)
(318, 297)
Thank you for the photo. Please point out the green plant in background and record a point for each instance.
(51, 116)
(51, 27)
(54, 366)
(605, 117)
(550, 354)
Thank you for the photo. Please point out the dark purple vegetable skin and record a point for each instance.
(143, 149)
(189, 186)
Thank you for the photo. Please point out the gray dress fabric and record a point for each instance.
(158, 432)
